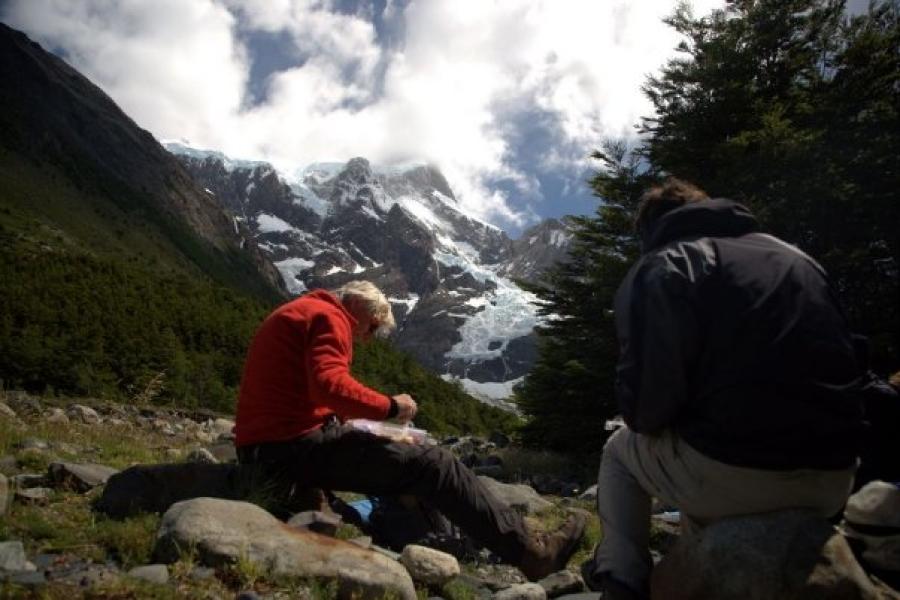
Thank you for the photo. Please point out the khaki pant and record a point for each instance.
(636, 467)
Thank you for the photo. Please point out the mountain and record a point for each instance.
(449, 276)
(72, 161)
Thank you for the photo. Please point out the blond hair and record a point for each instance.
(366, 297)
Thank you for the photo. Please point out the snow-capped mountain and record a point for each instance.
(447, 274)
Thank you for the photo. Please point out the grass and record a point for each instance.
(518, 461)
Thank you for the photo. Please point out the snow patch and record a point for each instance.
(290, 269)
(266, 223)
(497, 394)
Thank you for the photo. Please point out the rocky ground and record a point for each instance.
(57, 458)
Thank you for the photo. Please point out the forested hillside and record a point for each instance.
(791, 107)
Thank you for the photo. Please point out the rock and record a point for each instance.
(325, 523)
(56, 416)
(224, 452)
(12, 557)
(154, 488)
(83, 414)
(8, 463)
(223, 531)
(561, 583)
(501, 440)
(33, 444)
(876, 503)
(152, 573)
(23, 404)
(517, 495)
(39, 496)
(7, 413)
(91, 575)
(428, 565)
(248, 595)
(201, 455)
(24, 481)
(363, 541)
(522, 591)
(492, 471)
(222, 429)
(81, 477)
(202, 573)
(788, 554)
(172, 454)
(24, 578)
(5, 498)
(116, 422)
(582, 596)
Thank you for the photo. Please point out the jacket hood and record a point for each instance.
(329, 298)
(713, 218)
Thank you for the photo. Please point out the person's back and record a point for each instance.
(737, 379)
(769, 383)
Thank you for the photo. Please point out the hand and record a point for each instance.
(406, 408)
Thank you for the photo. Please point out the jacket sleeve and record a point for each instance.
(330, 351)
(659, 341)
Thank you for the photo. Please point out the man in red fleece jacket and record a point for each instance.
(296, 393)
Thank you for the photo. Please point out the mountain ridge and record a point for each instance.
(449, 276)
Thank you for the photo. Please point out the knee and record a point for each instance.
(618, 440)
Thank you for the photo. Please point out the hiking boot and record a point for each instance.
(548, 553)
(611, 588)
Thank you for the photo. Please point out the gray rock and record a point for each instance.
(201, 455)
(81, 477)
(33, 444)
(8, 463)
(7, 413)
(116, 423)
(24, 578)
(878, 551)
(83, 414)
(56, 416)
(492, 471)
(788, 554)
(522, 591)
(24, 481)
(877, 503)
(12, 557)
(91, 575)
(202, 573)
(517, 495)
(222, 428)
(152, 573)
(562, 583)
(582, 596)
(325, 523)
(224, 452)
(5, 497)
(223, 531)
(429, 566)
(39, 496)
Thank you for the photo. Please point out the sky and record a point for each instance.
(507, 97)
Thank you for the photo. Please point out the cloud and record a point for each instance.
(458, 88)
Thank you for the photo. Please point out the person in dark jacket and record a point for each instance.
(737, 380)
(296, 395)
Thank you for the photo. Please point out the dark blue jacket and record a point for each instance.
(734, 339)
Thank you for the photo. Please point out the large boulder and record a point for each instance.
(788, 554)
(225, 531)
(154, 488)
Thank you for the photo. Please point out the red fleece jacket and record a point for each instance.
(297, 373)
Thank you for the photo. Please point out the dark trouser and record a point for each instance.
(340, 458)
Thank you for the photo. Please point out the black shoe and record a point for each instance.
(610, 588)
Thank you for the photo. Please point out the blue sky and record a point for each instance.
(508, 98)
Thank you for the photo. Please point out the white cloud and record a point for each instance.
(445, 94)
